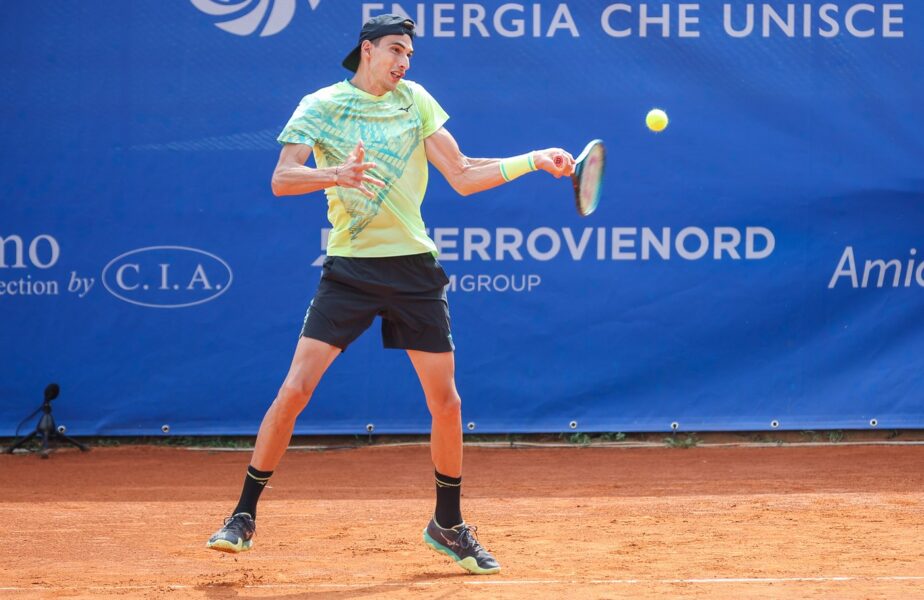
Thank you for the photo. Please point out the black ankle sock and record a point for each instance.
(448, 490)
(254, 483)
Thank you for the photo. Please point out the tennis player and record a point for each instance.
(372, 136)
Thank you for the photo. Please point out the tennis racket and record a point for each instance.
(588, 177)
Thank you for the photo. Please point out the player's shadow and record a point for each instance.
(224, 591)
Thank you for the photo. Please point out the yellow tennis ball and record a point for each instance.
(656, 120)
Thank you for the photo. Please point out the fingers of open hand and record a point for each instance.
(357, 154)
(357, 184)
(355, 176)
(361, 174)
(353, 172)
(372, 180)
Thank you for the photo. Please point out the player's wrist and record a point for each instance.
(337, 176)
(517, 166)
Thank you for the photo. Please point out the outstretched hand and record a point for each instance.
(352, 173)
(556, 161)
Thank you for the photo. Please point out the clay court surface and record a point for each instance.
(707, 522)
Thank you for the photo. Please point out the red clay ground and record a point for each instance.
(783, 522)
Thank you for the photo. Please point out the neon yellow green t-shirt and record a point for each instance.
(392, 127)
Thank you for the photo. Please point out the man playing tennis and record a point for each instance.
(372, 137)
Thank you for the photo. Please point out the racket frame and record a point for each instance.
(579, 165)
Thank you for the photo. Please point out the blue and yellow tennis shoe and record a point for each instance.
(235, 536)
(461, 545)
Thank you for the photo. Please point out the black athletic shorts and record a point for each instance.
(408, 292)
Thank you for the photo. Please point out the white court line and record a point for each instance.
(511, 582)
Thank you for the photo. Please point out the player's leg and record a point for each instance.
(417, 320)
(447, 532)
(338, 314)
(436, 371)
(312, 358)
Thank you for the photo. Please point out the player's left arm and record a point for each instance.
(471, 175)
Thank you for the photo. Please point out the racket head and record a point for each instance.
(588, 177)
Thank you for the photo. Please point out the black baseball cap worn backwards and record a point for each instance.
(376, 27)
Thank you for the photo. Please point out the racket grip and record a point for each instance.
(559, 161)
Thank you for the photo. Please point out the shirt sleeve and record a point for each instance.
(432, 115)
(303, 126)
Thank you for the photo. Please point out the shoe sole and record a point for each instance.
(468, 563)
(226, 546)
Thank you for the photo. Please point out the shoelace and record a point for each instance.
(241, 521)
(468, 538)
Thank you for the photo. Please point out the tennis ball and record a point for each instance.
(656, 120)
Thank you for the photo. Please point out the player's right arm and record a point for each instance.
(470, 175)
(292, 177)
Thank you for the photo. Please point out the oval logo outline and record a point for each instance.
(183, 248)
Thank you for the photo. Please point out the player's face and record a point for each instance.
(390, 58)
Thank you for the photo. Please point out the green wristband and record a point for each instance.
(516, 166)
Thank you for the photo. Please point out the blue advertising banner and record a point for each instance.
(758, 264)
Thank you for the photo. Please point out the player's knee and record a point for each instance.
(293, 397)
(448, 406)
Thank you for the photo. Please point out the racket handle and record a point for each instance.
(559, 160)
